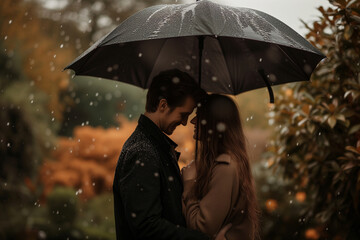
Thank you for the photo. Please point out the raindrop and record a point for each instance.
(171, 178)
(91, 103)
(42, 234)
(90, 21)
(193, 57)
(117, 19)
(187, 67)
(221, 127)
(109, 69)
(319, 133)
(142, 164)
(247, 119)
(78, 192)
(203, 122)
(62, 45)
(54, 55)
(140, 55)
(5, 37)
(10, 21)
(53, 119)
(260, 59)
(272, 77)
(210, 131)
(8, 123)
(175, 80)
(242, 211)
(207, 60)
(307, 68)
(137, 162)
(156, 174)
(214, 78)
(291, 201)
(254, 145)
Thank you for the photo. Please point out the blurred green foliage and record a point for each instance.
(65, 217)
(98, 102)
(317, 139)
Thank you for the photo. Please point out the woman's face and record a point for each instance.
(194, 121)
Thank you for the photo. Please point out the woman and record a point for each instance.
(218, 185)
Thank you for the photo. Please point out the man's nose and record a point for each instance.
(184, 121)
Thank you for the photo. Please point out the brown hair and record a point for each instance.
(220, 131)
(174, 86)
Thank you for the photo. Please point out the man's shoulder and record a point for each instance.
(138, 142)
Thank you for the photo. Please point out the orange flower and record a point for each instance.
(311, 233)
(300, 196)
(271, 205)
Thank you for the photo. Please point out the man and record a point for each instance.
(147, 184)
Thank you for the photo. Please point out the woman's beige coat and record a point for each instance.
(223, 204)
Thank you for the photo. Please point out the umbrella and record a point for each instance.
(228, 49)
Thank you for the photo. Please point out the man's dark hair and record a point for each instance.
(174, 86)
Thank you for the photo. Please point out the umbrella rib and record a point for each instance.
(162, 46)
(227, 68)
(301, 70)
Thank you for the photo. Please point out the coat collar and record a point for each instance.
(152, 130)
(224, 158)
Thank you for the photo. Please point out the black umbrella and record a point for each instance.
(229, 49)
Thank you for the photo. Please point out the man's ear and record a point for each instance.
(163, 105)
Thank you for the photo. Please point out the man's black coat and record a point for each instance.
(147, 188)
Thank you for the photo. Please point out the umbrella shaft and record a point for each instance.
(201, 48)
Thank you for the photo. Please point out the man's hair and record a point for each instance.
(174, 86)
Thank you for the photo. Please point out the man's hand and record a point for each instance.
(189, 171)
(222, 232)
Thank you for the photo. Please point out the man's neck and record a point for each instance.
(153, 117)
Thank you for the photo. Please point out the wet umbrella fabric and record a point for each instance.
(241, 48)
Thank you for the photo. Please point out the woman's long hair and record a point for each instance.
(220, 131)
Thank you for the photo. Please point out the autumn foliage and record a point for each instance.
(87, 161)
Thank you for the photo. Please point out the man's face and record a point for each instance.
(179, 115)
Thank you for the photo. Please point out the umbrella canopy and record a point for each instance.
(235, 49)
